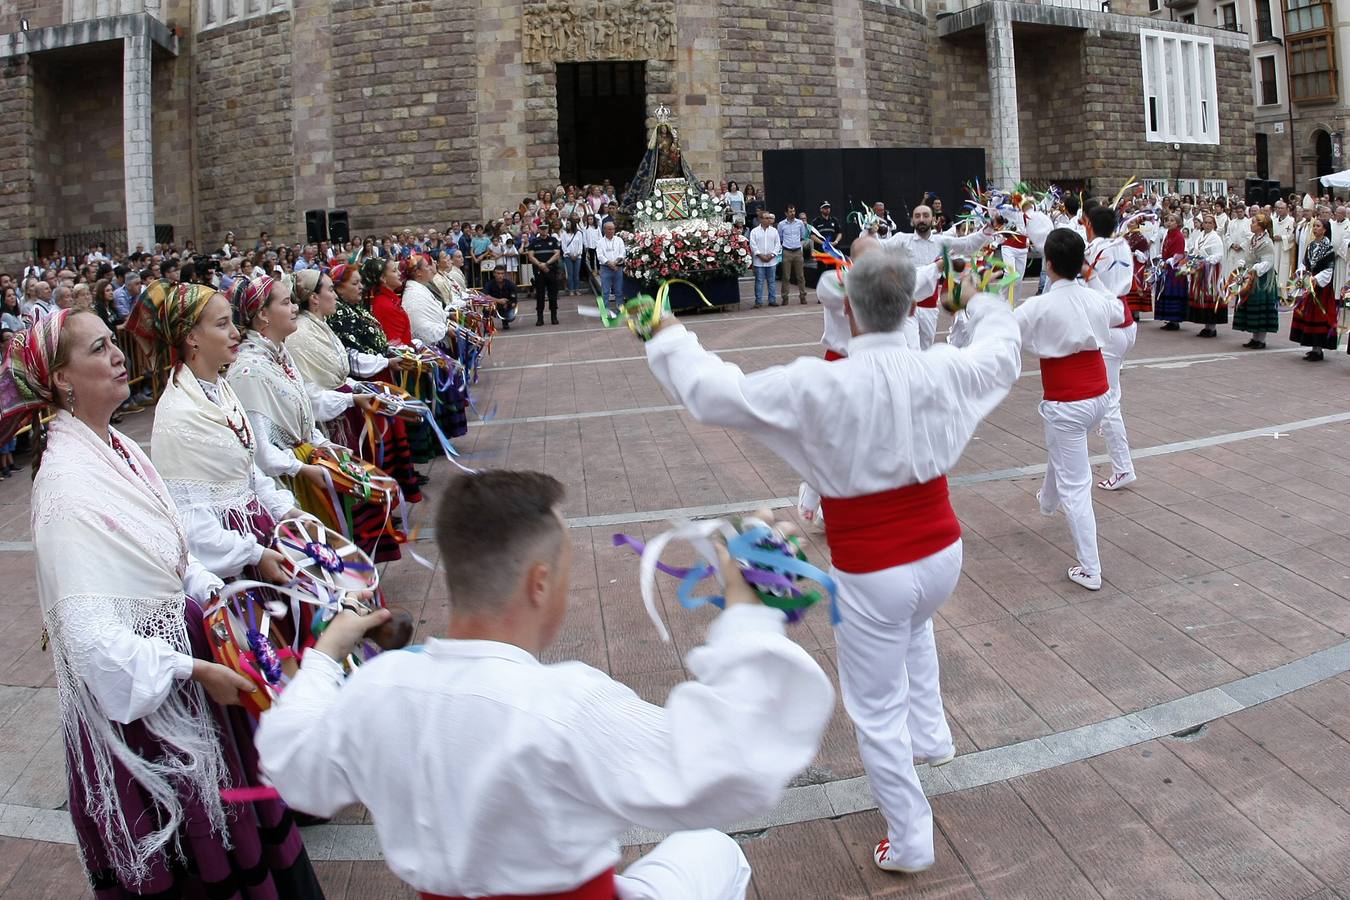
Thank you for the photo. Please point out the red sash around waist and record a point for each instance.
(1129, 316)
(601, 887)
(831, 356)
(931, 302)
(1078, 376)
(1016, 241)
(892, 528)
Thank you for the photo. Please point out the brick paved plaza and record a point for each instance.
(1182, 733)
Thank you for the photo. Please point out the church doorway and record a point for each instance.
(602, 115)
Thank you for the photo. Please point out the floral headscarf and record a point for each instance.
(249, 299)
(26, 372)
(164, 314)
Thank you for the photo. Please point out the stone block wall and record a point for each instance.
(78, 124)
(1115, 147)
(896, 57)
(959, 93)
(175, 190)
(39, 13)
(16, 165)
(779, 89)
(1051, 111)
(404, 113)
(245, 168)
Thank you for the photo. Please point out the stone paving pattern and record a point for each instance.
(1220, 562)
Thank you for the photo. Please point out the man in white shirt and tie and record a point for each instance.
(765, 248)
(609, 257)
(489, 773)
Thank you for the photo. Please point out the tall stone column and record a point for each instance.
(312, 107)
(1006, 139)
(850, 42)
(137, 143)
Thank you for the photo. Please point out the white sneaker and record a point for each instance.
(886, 862)
(934, 762)
(1083, 579)
(1041, 505)
(1117, 481)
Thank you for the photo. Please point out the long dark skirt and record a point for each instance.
(1259, 313)
(1174, 303)
(391, 452)
(266, 860)
(1315, 320)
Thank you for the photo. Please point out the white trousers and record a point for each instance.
(1118, 343)
(1068, 474)
(926, 317)
(888, 673)
(1015, 257)
(688, 865)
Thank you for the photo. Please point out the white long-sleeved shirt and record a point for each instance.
(884, 418)
(1209, 244)
(926, 250)
(764, 242)
(225, 551)
(473, 751)
(1113, 264)
(426, 315)
(830, 292)
(610, 250)
(573, 243)
(1068, 318)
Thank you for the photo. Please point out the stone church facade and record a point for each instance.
(132, 118)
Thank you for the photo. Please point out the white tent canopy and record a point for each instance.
(1337, 179)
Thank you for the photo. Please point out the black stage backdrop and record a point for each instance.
(851, 178)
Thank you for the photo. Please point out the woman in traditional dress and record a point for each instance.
(1208, 307)
(202, 444)
(1315, 315)
(426, 314)
(272, 392)
(448, 282)
(1140, 298)
(360, 338)
(1259, 312)
(1174, 302)
(148, 745)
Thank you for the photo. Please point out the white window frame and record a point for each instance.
(1180, 81)
(215, 13)
(1260, 96)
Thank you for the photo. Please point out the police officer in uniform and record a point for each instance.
(545, 254)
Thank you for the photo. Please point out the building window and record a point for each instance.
(1312, 67)
(1180, 100)
(1188, 19)
(1262, 155)
(1265, 29)
(1306, 15)
(1228, 16)
(1270, 93)
(1154, 5)
(214, 13)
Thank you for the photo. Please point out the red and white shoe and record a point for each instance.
(1117, 481)
(887, 863)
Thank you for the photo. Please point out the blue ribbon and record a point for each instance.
(745, 547)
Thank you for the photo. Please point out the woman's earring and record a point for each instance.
(70, 398)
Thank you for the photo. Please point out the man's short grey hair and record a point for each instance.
(881, 290)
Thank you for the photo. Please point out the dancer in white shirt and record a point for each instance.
(923, 247)
(489, 773)
(830, 294)
(1112, 262)
(1067, 327)
(875, 433)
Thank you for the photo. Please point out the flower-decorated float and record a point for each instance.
(679, 230)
